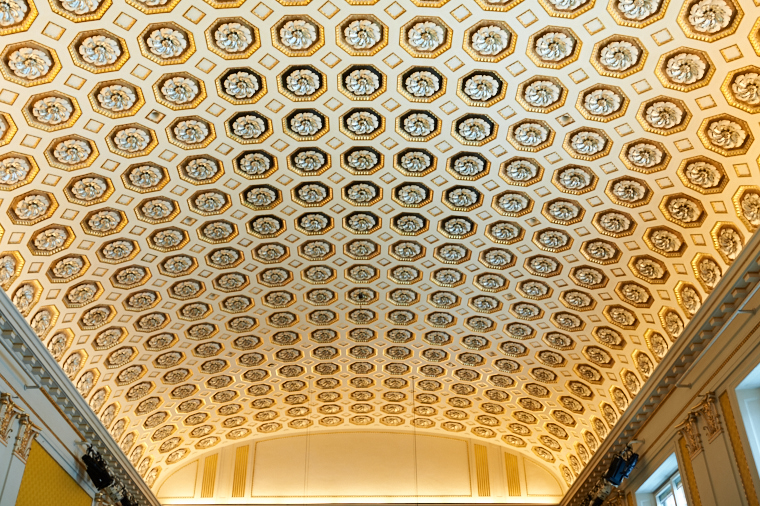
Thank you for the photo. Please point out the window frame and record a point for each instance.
(669, 486)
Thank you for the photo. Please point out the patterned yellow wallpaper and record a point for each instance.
(46, 482)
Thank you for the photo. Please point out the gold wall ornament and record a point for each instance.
(636, 19)
(691, 436)
(8, 412)
(528, 93)
(158, 8)
(20, 20)
(71, 152)
(99, 51)
(26, 433)
(241, 85)
(602, 102)
(703, 174)
(485, 41)
(361, 35)
(530, 135)
(707, 409)
(728, 239)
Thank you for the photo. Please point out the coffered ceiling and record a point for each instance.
(235, 218)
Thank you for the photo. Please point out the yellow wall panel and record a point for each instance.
(46, 482)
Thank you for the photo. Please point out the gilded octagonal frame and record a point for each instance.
(486, 23)
(728, 82)
(210, 35)
(378, 46)
(31, 119)
(662, 66)
(415, 53)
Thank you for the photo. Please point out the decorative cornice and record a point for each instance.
(729, 296)
(21, 343)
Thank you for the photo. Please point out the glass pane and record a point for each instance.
(679, 492)
(666, 498)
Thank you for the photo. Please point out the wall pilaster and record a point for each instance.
(706, 457)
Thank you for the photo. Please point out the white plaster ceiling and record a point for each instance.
(498, 232)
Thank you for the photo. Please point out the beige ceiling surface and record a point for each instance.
(229, 219)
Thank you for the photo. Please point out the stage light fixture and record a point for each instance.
(97, 469)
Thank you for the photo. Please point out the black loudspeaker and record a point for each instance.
(97, 469)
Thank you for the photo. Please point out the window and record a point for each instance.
(671, 493)
(748, 397)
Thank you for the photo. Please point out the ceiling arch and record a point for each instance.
(230, 219)
(342, 466)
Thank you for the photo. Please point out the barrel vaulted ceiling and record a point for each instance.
(237, 218)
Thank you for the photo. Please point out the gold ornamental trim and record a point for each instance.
(539, 62)
(475, 55)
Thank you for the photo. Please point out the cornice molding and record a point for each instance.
(23, 345)
(730, 295)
